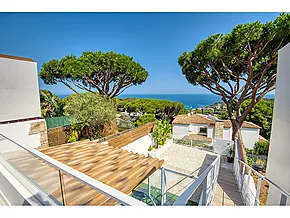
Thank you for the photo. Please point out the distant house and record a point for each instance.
(208, 129)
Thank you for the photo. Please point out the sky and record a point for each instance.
(155, 40)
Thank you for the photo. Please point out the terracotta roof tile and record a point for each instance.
(262, 139)
(115, 167)
(194, 118)
(246, 124)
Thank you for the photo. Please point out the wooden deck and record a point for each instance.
(227, 192)
(115, 167)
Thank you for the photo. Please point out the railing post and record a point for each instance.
(258, 190)
(61, 187)
(204, 191)
(283, 200)
(149, 188)
(163, 186)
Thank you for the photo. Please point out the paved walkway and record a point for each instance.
(227, 192)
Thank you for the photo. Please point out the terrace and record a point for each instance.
(112, 171)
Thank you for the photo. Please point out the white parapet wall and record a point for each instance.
(141, 145)
(279, 149)
(22, 133)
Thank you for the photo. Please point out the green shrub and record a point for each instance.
(161, 131)
(261, 148)
(91, 112)
(145, 118)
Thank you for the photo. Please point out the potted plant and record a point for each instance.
(230, 157)
(258, 165)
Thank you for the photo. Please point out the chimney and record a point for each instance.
(219, 129)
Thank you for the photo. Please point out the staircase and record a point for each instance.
(227, 192)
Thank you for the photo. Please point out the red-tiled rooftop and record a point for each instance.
(194, 118)
(201, 119)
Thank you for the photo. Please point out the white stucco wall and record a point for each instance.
(250, 137)
(140, 146)
(19, 96)
(18, 132)
(180, 130)
(210, 132)
(279, 150)
(227, 134)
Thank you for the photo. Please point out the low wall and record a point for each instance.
(124, 138)
(141, 145)
(31, 133)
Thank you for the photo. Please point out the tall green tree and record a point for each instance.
(239, 65)
(108, 73)
(261, 114)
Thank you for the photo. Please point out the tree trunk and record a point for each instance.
(236, 127)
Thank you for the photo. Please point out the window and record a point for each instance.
(203, 130)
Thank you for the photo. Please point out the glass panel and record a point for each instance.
(36, 175)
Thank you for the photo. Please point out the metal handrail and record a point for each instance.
(185, 196)
(265, 178)
(95, 184)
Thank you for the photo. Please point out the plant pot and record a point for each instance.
(230, 159)
(258, 167)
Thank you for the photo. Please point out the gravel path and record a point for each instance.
(184, 159)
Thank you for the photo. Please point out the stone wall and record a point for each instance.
(39, 127)
(219, 130)
(58, 136)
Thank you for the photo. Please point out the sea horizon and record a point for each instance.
(191, 101)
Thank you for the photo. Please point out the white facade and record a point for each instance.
(180, 130)
(228, 134)
(279, 149)
(250, 135)
(19, 94)
(20, 103)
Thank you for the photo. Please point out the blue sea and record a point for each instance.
(189, 100)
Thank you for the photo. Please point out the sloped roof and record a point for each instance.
(200, 119)
(194, 118)
(246, 124)
(115, 167)
(262, 139)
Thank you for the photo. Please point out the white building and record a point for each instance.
(20, 117)
(208, 128)
(279, 149)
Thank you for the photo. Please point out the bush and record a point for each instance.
(50, 104)
(261, 148)
(91, 111)
(145, 118)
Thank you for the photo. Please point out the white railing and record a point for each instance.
(208, 180)
(249, 190)
(119, 196)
